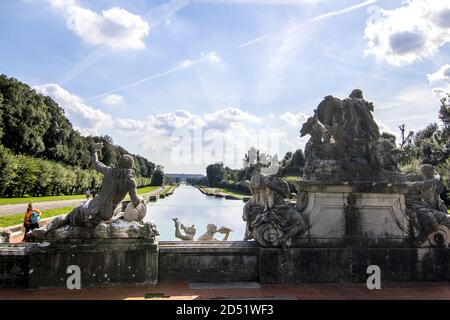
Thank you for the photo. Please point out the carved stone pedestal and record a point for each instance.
(358, 214)
(102, 262)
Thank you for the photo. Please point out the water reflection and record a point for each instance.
(192, 207)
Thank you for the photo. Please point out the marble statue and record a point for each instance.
(345, 143)
(182, 232)
(352, 191)
(271, 220)
(427, 211)
(188, 233)
(99, 217)
(211, 230)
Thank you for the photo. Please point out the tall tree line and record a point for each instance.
(430, 145)
(34, 125)
(22, 174)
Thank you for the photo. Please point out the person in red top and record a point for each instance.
(31, 220)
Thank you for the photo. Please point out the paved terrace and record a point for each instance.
(193, 291)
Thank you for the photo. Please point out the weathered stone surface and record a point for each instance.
(350, 264)
(137, 262)
(208, 261)
(343, 215)
(270, 220)
(133, 213)
(303, 265)
(116, 229)
(102, 263)
(345, 143)
(101, 217)
(13, 267)
(428, 214)
(4, 235)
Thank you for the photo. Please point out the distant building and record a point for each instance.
(184, 176)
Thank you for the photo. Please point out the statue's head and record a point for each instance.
(211, 228)
(125, 162)
(428, 171)
(356, 94)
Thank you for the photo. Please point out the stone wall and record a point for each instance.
(13, 267)
(113, 262)
(208, 261)
(350, 264)
(102, 263)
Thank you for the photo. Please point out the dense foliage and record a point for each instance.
(158, 177)
(430, 146)
(220, 176)
(20, 175)
(40, 150)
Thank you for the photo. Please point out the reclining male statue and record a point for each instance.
(117, 182)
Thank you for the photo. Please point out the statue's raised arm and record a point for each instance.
(135, 199)
(99, 166)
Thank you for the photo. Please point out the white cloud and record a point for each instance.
(224, 135)
(112, 100)
(86, 119)
(129, 124)
(175, 120)
(443, 74)
(268, 2)
(114, 27)
(440, 80)
(225, 118)
(410, 33)
(294, 120)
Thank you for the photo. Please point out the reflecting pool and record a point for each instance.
(194, 208)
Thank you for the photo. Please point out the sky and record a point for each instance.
(187, 83)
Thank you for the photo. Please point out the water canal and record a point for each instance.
(193, 207)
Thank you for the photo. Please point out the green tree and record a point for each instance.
(44, 177)
(35, 125)
(8, 171)
(158, 176)
(1, 116)
(292, 164)
(389, 136)
(215, 173)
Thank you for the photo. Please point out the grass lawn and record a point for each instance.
(11, 220)
(291, 178)
(234, 193)
(169, 189)
(27, 199)
(146, 189)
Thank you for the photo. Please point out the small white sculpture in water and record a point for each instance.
(182, 232)
(187, 233)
